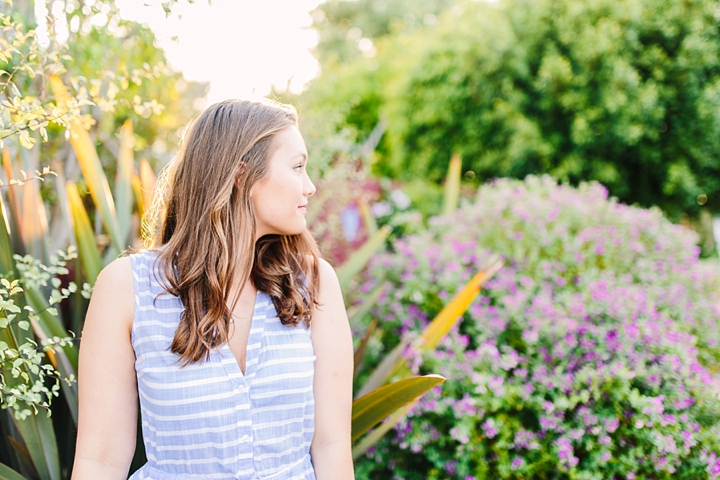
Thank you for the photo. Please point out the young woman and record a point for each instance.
(230, 330)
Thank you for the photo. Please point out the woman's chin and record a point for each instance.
(296, 230)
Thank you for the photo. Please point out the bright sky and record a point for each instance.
(242, 47)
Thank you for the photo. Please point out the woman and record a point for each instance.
(231, 331)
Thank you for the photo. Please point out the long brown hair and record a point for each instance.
(204, 226)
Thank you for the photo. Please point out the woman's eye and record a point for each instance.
(298, 166)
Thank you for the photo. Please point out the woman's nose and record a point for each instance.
(309, 189)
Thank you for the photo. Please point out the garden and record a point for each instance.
(519, 198)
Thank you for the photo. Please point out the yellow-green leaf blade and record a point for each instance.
(7, 473)
(387, 368)
(360, 352)
(449, 315)
(6, 251)
(371, 409)
(315, 207)
(355, 314)
(87, 247)
(372, 438)
(361, 257)
(91, 168)
(452, 186)
(12, 211)
(148, 181)
(50, 324)
(123, 184)
(62, 364)
(39, 437)
(368, 218)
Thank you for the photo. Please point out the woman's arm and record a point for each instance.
(332, 342)
(107, 423)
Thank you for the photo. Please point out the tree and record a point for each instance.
(340, 109)
(113, 67)
(347, 28)
(624, 92)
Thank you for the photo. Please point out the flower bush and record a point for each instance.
(592, 355)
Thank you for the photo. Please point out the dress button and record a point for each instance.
(242, 389)
(245, 438)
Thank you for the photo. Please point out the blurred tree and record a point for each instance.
(340, 110)
(626, 92)
(347, 28)
(111, 64)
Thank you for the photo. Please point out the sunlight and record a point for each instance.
(242, 48)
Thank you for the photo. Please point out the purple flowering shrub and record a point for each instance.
(592, 354)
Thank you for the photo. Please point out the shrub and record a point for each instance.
(593, 354)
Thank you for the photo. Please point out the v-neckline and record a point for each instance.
(257, 326)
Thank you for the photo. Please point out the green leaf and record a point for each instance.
(33, 221)
(61, 362)
(91, 168)
(24, 324)
(39, 437)
(368, 218)
(6, 249)
(368, 302)
(87, 247)
(372, 438)
(452, 186)
(361, 257)
(360, 352)
(123, 184)
(147, 184)
(50, 325)
(7, 473)
(71, 391)
(371, 409)
(14, 215)
(385, 370)
(451, 313)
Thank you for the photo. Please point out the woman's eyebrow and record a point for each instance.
(304, 155)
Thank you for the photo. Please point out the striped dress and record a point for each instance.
(208, 420)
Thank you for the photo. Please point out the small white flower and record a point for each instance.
(400, 199)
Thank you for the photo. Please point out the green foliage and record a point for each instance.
(112, 66)
(24, 377)
(346, 26)
(623, 92)
(341, 109)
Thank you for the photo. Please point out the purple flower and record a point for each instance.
(451, 467)
(490, 428)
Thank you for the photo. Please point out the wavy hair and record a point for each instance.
(203, 226)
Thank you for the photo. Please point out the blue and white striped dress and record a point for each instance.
(208, 420)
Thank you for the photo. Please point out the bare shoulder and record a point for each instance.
(113, 296)
(331, 306)
(327, 278)
(117, 273)
(328, 285)
(327, 274)
(116, 279)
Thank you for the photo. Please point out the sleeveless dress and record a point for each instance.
(209, 421)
